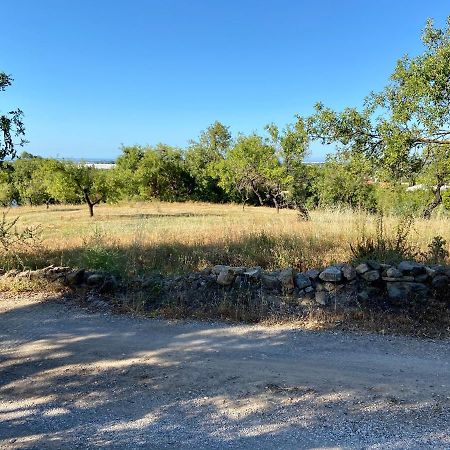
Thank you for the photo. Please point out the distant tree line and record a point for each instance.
(401, 135)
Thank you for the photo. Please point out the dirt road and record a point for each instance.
(72, 378)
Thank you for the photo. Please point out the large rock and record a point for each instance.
(286, 278)
(411, 268)
(95, 279)
(393, 272)
(217, 269)
(301, 281)
(270, 282)
(349, 272)
(375, 265)
(226, 276)
(400, 292)
(253, 274)
(332, 274)
(313, 274)
(371, 276)
(362, 268)
(76, 277)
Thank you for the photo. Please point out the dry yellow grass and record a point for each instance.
(133, 238)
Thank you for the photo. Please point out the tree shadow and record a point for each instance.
(70, 378)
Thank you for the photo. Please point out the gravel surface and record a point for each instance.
(74, 378)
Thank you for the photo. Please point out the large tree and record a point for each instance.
(12, 130)
(405, 127)
(79, 183)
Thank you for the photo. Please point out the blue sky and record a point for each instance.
(92, 75)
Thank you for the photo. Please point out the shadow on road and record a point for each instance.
(70, 378)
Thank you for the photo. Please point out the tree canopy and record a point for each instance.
(12, 130)
(406, 126)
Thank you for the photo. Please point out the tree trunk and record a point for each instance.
(435, 203)
(91, 209)
(277, 206)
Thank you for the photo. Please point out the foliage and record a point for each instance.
(13, 240)
(202, 155)
(162, 174)
(437, 251)
(406, 127)
(346, 182)
(75, 183)
(11, 125)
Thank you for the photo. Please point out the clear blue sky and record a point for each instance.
(93, 74)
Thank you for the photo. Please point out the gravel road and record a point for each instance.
(74, 378)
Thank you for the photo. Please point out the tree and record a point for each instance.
(126, 170)
(11, 125)
(201, 155)
(252, 168)
(290, 147)
(162, 174)
(79, 183)
(27, 179)
(409, 121)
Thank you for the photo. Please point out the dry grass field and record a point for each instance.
(135, 238)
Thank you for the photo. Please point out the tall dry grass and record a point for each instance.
(137, 238)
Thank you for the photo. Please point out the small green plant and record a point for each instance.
(437, 251)
(385, 248)
(100, 253)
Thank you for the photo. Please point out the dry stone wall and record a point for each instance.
(338, 284)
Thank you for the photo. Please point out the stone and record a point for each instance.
(309, 289)
(76, 277)
(109, 285)
(392, 279)
(349, 272)
(238, 270)
(253, 273)
(399, 292)
(95, 279)
(313, 274)
(301, 281)
(393, 272)
(440, 282)
(439, 269)
(331, 273)
(374, 264)
(217, 269)
(286, 278)
(322, 298)
(362, 268)
(411, 268)
(371, 275)
(430, 272)
(270, 282)
(226, 276)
